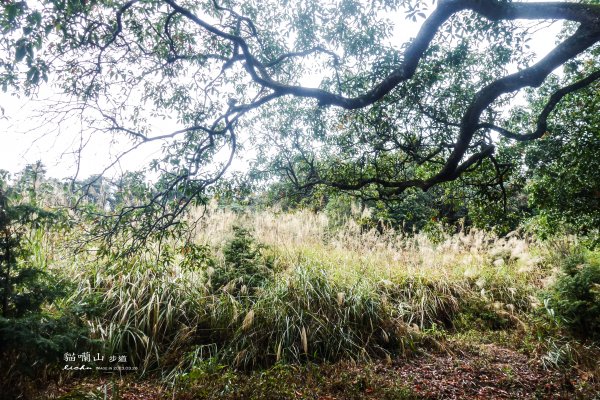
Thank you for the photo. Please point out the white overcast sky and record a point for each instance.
(23, 141)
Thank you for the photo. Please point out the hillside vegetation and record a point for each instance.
(273, 291)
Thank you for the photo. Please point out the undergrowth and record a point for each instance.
(253, 291)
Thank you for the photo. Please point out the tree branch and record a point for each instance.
(542, 120)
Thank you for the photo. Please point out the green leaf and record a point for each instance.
(11, 12)
(33, 75)
(21, 52)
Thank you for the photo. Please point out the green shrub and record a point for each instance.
(197, 257)
(37, 342)
(575, 298)
(34, 331)
(245, 265)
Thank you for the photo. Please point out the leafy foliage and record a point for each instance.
(381, 119)
(24, 286)
(575, 298)
(564, 183)
(31, 337)
(246, 265)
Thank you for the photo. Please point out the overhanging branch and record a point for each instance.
(542, 120)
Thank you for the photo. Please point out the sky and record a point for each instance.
(26, 136)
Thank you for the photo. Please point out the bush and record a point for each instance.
(575, 298)
(246, 266)
(307, 313)
(34, 331)
(32, 346)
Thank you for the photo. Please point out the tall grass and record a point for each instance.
(144, 310)
(328, 294)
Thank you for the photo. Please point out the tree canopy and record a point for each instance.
(382, 117)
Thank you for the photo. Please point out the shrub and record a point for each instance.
(575, 298)
(32, 346)
(32, 339)
(245, 265)
(196, 257)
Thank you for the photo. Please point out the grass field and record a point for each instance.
(279, 305)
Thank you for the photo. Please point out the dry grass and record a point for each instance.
(467, 256)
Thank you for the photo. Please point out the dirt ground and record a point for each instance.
(476, 372)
